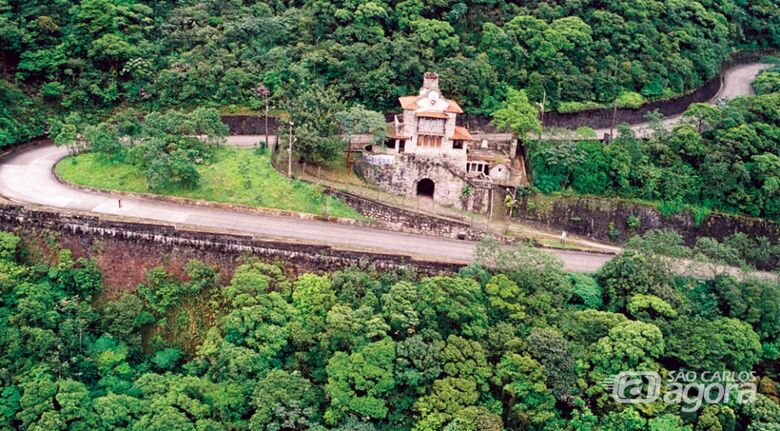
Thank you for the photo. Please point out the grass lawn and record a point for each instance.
(239, 176)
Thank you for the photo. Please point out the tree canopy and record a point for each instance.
(94, 56)
(487, 349)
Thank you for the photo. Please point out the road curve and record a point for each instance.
(28, 178)
(737, 82)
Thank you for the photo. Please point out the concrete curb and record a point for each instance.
(248, 209)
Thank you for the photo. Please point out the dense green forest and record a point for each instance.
(723, 158)
(94, 56)
(511, 342)
(523, 346)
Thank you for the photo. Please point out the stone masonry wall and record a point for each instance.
(602, 118)
(383, 216)
(402, 177)
(606, 220)
(409, 221)
(249, 124)
(126, 250)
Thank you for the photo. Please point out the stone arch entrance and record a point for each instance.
(425, 188)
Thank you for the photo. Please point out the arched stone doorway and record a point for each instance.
(425, 188)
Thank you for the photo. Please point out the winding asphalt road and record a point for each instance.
(28, 178)
(737, 82)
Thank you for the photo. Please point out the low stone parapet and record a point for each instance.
(125, 250)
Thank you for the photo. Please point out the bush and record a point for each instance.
(8, 244)
(566, 107)
(630, 100)
(670, 208)
(665, 242)
(632, 222)
(52, 90)
(767, 82)
(161, 290)
(586, 291)
(171, 171)
(613, 231)
(718, 252)
(699, 214)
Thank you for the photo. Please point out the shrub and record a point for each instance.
(670, 208)
(161, 290)
(630, 99)
(699, 214)
(8, 244)
(659, 241)
(566, 107)
(767, 82)
(632, 222)
(613, 231)
(170, 171)
(52, 90)
(586, 291)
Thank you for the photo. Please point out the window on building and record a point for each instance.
(457, 145)
(477, 167)
(430, 126)
(390, 143)
(429, 141)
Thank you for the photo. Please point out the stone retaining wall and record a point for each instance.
(602, 118)
(607, 220)
(402, 175)
(126, 250)
(249, 124)
(404, 220)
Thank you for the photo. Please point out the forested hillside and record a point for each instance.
(97, 55)
(523, 347)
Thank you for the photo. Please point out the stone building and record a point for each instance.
(427, 154)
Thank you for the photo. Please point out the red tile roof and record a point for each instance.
(454, 107)
(461, 134)
(410, 102)
(392, 134)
